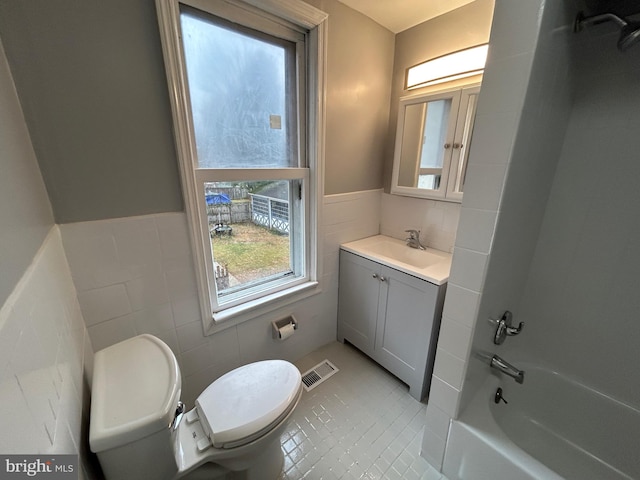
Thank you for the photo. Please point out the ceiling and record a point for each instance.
(398, 15)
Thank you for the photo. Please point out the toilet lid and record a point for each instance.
(242, 404)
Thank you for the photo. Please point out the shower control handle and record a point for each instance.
(505, 328)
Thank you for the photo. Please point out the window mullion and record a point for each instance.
(249, 174)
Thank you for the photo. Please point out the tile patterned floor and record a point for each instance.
(361, 423)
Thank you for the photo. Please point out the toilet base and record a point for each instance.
(268, 465)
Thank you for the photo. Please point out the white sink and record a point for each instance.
(430, 264)
(402, 253)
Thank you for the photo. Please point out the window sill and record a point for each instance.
(255, 308)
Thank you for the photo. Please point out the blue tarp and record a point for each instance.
(217, 199)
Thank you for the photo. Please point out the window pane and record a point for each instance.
(249, 224)
(242, 95)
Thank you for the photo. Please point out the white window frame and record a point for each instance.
(313, 23)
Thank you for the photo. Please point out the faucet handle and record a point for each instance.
(505, 328)
(413, 233)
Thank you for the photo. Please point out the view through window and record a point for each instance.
(245, 113)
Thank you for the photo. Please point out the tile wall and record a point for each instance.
(135, 275)
(437, 221)
(582, 285)
(522, 117)
(45, 360)
(501, 99)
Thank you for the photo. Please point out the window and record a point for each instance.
(246, 86)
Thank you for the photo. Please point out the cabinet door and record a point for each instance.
(403, 340)
(358, 301)
(462, 142)
(424, 144)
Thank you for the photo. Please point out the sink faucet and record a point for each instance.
(506, 368)
(414, 239)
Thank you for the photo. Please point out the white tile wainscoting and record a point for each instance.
(135, 275)
(44, 352)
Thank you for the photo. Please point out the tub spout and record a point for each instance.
(506, 368)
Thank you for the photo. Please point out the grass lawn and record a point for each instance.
(252, 252)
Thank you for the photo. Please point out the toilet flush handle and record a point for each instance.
(177, 416)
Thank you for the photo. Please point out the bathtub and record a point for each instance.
(552, 428)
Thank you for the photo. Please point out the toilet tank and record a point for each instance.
(134, 395)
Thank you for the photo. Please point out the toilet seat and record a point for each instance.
(247, 402)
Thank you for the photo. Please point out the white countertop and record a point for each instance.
(431, 265)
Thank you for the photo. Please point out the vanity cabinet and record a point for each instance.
(391, 316)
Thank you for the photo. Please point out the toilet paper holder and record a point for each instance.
(283, 322)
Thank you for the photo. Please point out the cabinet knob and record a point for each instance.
(447, 146)
(375, 275)
(382, 279)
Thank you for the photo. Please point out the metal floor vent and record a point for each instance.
(318, 374)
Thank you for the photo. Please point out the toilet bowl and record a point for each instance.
(139, 429)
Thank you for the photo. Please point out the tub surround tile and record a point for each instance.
(433, 448)
(455, 337)
(514, 111)
(461, 305)
(493, 138)
(438, 421)
(484, 188)
(449, 368)
(476, 229)
(505, 82)
(444, 396)
(468, 268)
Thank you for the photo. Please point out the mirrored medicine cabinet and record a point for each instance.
(432, 143)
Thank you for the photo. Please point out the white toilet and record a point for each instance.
(137, 430)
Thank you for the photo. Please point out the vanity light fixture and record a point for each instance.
(452, 66)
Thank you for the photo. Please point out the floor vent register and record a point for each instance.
(318, 374)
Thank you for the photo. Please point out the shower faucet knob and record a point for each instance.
(504, 328)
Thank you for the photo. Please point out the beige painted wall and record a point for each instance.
(465, 27)
(25, 211)
(359, 66)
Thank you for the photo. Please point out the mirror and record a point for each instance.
(432, 139)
